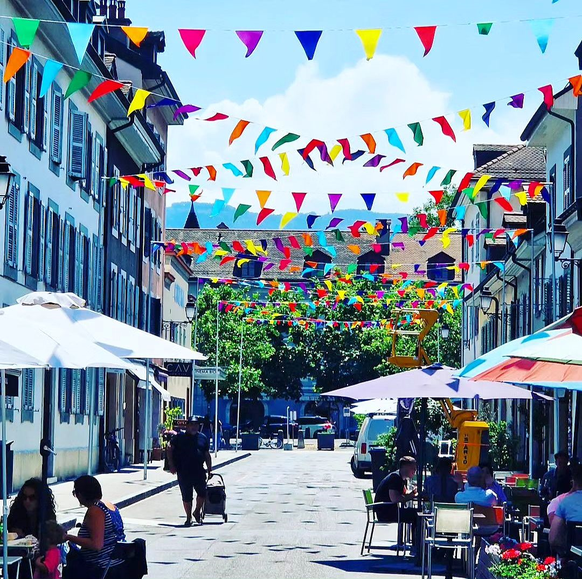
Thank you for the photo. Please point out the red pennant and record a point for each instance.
(431, 233)
(311, 146)
(412, 170)
(446, 127)
(227, 259)
(464, 266)
(426, 35)
(106, 87)
(532, 189)
(422, 220)
(265, 212)
(355, 228)
(465, 182)
(395, 162)
(437, 196)
(294, 243)
(217, 117)
(268, 168)
(299, 198)
(284, 264)
(196, 171)
(470, 239)
(237, 246)
(503, 203)
(548, 93)
(345, 148)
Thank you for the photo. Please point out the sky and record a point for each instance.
(340, 94)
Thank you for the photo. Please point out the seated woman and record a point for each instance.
(24, 517)
(441, 487)
(568, 511)
(492, 484)
(97, 536)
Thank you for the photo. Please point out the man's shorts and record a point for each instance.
(190, 482)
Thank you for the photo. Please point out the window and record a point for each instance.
(37, 115)
(56, 133)
(75, 391)
(32, 225)
(27, 410)
(138, 220)
(437, 267)
(371, 262)
(568, 188)
(246, 266)
(113, 292)
(100, 391)
(131, 214)
(77, 166)
(11, 246)
(115, 195)
(319, 261)
(123, 211)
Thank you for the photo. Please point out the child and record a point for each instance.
(49, 566)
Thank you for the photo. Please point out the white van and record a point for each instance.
(372, 427)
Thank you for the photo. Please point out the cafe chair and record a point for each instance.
(450, 528)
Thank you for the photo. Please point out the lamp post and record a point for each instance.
(6, 177)
(191, 310)
(443, 331)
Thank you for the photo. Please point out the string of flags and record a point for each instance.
(80, 35)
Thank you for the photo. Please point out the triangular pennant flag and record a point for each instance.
(263, 197)
(335, 151)
(138, 101)
(284, 164)
(576, 82)
(374, 161)
(431, 174)
(216, 117)
(412, 170)
(446, 127)
(135, 33)
(403, 197)
(541, 30)
(483, 207)
(240, 210)
(235, 170)
(517, 101)
(250, 38)
(81, 79)
(370, 142)
(191, 39)
(25, 30)
(263, 138)
(548, 93)
(238, 131)
(480, 184)
(307, 159)
(522, 197)
(287, 217)
(437, 196)
(448, 177)
(466, 117)
(51, 69)
(268, 168)
(417, 132)
(442, 213)
(394, 139)
(265, 212)
(334, 199)
(165, 102)
(489, 108)
(80, 36)
(369, 199)
(104, 88)
(460, 211)
(248, 168)
(17, 60)
(503, 203)
(484, 28)
(299, 198)
(217, 207)
(308, 40)
(211, 172)
(288, 138)
(310, 220)
(369, 40)
(466, 181)
(227, 193)
(426, 35)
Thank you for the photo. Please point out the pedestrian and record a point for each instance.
(187, 454)
(50, 565)
(569, 511)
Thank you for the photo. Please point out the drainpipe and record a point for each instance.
(573, 132)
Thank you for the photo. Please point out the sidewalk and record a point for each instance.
(127, 487)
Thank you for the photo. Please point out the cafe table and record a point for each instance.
(25, 545)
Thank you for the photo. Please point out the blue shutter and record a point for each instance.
(100, 392)
(2, 62)
(56, 136)
(27, 410)
(11, 246)
(77, 144)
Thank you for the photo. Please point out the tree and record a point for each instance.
(431, 209)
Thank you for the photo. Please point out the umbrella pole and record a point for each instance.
(216, 388)
(147, 392)
(4, 480)
(239, 384)
(420, 477)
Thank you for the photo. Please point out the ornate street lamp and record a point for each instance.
(6, 176)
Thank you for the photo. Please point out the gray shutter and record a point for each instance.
(101, 392)
(77, 144)
(2, 61)
(63, 390)
(29, 233)
(56, 126)
(11, 91)
(33, 100)
(42, 244)
(12, 224)
(49, 234)
(27, 409)
(26, 120)
(66, 256)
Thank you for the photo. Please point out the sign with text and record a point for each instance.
(209, 373)
(183, 369)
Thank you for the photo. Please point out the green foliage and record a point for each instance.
(388, 441)
(503, 446)
(430, 208)
(359, 420)
(170, 415)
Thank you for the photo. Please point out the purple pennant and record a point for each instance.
(250, 38)
(334, 199)
(404, 221)
(374, 161)
(516, 185)
(398, 245)
(483, 232)
(182, 174)
(279, 244)
(306, 158)
(185, 109)
(263, 258)
(302, 287)
(334, 222)
(369, 199)
(323, 153)
(311, 220)
(517, 101)
(354, 156)
(268, 266)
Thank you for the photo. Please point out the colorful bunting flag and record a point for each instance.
(288, 138)
(483, 207)
(191, 39)
(285, 164)
(235, 170)
(139, 100)
(489, 108)
(17, 60)
(465, 181)
(374, 161)
(51, 69)
(446, 127)
(250, 38)
(104, 88)
(264, 213)
(263, 197)
(80, 34)
(216, 117)
(369, 39)
(287, 217)
(426, 35)
(309, 40)
(466, 117)
(238, 131)
(370, 142)
(517, 101)
(240, 210)
(369, 199)
(417, 133)
(267, 167)
(484, 28)
(79, 81)
(437, 196)
(480, 184)
(135, 33)
(431, 174)
(503, 203)
(334, 199)
(263, 138)
(217, 207)
(394, 139)
(248, 166)
(310, 220)
(548, 93)
(165, 102)
(25, 29)
(576, 82)
(541, 30)
(211, 172)
(442, 213)
(299, 198)
(227, 193)
(403, 197)
(412, 170)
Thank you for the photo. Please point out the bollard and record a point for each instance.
(301, 439)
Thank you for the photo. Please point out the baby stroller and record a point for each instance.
(215, 503)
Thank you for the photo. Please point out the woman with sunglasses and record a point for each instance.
(24, 517)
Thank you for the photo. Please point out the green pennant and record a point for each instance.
(193, 189)
(288, 138)
(413, 230)
(483, 207)
(25, 30)
(448, 177)
(308, 251)
(248, 168)
(352, 268)
(417, 132)
(338, 235)
(240, 210)
(112, 181)
(225, 246)
(484, 28)
(79, 81)
(470, 193)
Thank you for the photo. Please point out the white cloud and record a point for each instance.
(385, 92)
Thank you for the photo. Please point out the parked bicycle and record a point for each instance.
(273, 442)
(111, 451)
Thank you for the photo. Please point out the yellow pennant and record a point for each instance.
(289, 216)
(139, 100)
(396, 265)
(335, 151)
(443, 286)
(480, 184)
(341, 294)
(328, 285)
(466, 116)
(483, 264)
(147, 182)
(369, 228)
(420, 292)
(124, 182)
(449, 309)
(220, 252)
(456, 290)
(369, 40)
(446, 239)
(403, 197)
(241, 262)
(284, 163)
(522, 197)
(251, 247)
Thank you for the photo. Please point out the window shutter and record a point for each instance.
(43, 143)
(101, 392)
(29, 228)
(98, 273)
(77, 145)
(12, 225)
(42, 237)
(2, 61)
(27, 410)
(66, 256)
(56, 126)
(88, 175)
(26, 123)
(63, 390)
(11, 92)
(138, 220)
(48, 254)
(131, 214)
(32, 114)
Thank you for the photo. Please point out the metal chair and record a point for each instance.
(451, 528)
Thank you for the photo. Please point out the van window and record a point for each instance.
(378, 427)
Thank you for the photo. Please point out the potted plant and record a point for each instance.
(165, 432)
(325, 441)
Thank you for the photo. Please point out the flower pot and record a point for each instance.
(325, 441)
(250, 441)
(158, 453)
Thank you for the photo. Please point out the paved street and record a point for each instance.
(290, 514)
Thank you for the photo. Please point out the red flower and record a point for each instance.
(549, 560)
(511, 554)
(541, 567)
(525, 546)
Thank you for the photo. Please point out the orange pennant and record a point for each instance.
(238, 131)
(17, 60)
(412, 170)
(307, 239)
(211, 172)
(354, 249)
(263, 197)
(370, 142)
(443, 216)
(135, 33)
(576, 82)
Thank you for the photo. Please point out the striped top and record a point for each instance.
(101, 558)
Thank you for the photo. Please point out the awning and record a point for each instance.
(140, 372)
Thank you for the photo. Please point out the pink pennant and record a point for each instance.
(446, 127)
(426, 35)
(265, 212)
(250, 38)
(345, 148)
(217, 117)
(268, 168)
(548, 93)
(191, 39)
(395, 162)
(299, 198)
(334, 199)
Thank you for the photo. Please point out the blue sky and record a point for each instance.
(463, 70)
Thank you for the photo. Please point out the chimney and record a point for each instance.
(121, 10)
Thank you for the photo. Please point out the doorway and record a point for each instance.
(48, 418)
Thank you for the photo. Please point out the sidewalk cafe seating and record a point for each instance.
(451, 527)
(134, 556)
(488, 520)
(404, 534)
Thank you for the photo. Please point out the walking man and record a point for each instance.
(187, 454)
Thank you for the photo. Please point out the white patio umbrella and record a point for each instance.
(376, 406)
